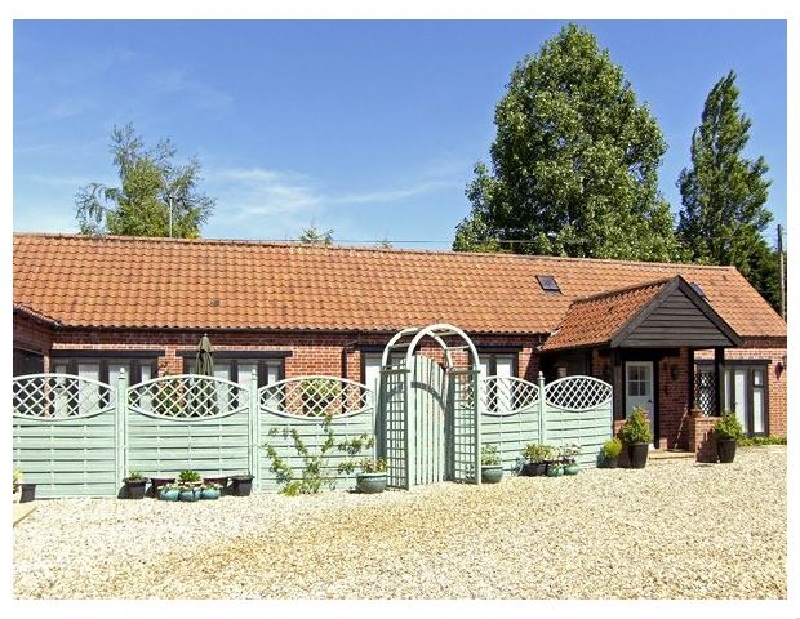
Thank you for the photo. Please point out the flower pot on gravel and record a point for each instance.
(210, 492)
(571, 468)
(134, 487)
(491, 474)
(27, 493)
(242, 484)
(157, 482)
(371, 483)
(637, 454)
(611, 463)
(726, 450)
(554, 470)
(190, 494)
(169, 493)
(221, 482)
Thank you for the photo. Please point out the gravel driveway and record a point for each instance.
(672, 530)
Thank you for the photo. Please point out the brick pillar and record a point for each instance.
(701, 438)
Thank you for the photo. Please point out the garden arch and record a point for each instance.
(428, 421)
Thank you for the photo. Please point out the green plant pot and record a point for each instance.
(209, 493)
(171, 494)
(371, 483)
(554, 471)
(571, 469)
(190, 495)
(637, 455)
(491, 474)
(726, 450)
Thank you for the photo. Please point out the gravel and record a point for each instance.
(676, 530)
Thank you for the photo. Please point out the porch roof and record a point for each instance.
(664, 313)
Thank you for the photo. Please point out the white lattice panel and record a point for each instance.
(578, 393)
(188, 396)
(60, 396)
(506, 395)
(316, 396)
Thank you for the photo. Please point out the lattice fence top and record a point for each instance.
(504, 395)
(316, 397)
(578, 393)
(187, 397)
(60, 396)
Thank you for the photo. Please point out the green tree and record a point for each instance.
(149, 180)
(723, 216)
(574, 162)
(316, 237)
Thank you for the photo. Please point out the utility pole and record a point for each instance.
(783, 273)
(169, 198)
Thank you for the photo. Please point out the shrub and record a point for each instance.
(537, 453)
(368, 465)
(489, 455)
(636, 428)
(728, 426)
(135, 476)
(189, 475)
(612, 448)
(743, 441)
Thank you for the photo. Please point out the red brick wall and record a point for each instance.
(773, 352)
(701, 438)
(673, 402)
(312, 353)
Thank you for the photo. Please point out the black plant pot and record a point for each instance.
(726, 449)
(612, 463)
(134, 488)
(637, 455)
(27, 493)
(533, 469)
(242, 484)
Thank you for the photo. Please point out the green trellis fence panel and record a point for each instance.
(66, 435)
(292, 417)
(573, 410)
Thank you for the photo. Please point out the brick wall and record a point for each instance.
(701, 438)
(335, 354)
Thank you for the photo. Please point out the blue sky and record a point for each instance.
(370, 128)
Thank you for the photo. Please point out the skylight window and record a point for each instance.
(548, 283)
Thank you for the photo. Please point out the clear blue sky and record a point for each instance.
(370, 128)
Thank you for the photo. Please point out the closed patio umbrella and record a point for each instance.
(205, 357)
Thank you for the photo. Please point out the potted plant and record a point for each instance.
(190, 485)
(217, 480)
(611, 450)
(135, 484)
(372, 477)
(158, 482)
(210, 491)
(536, 455)
(555, 468)
(491, 467)
(570, 453)
(242, 484)
(637, 436)
(17, 474)
(169, 492)
(727, 430)
(190, 494)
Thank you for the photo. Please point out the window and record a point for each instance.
(371, 365)
(239, 370)
(744, 393)
(105, 366)
(27, 362)
(548, 283)
(502, 365)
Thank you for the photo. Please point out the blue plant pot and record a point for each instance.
(491, 474)
(210, 493)
(190, 495)
(571, 469)
(171, 494)
(371, 483)
(554, 471)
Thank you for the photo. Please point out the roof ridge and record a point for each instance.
(339, 247)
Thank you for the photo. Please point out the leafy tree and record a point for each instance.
(574, 162)
(723, 216)
(140, 205)
(316, 237)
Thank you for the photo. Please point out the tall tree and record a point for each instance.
(723, 216)
(574, 162)
(150, 184)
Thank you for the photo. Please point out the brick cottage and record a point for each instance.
(667, 336)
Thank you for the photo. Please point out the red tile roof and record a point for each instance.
(133, 282)
(596, 319)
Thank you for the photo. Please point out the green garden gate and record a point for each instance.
(427, 423)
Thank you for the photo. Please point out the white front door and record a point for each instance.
(639, 389)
